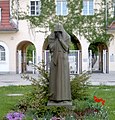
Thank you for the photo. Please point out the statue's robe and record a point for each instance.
(59, 84)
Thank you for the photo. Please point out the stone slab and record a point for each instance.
(62, 103)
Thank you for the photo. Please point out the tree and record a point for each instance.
(93, 27)
(29, 51)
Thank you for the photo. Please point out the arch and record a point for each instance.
(4, 57)
(99, 57)
(25, 57)
(76, 42)
(24, 44)
(75, 53)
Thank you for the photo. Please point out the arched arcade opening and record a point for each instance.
(75, 55)
(25, 57)
(99, 59)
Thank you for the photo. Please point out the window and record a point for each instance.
(0, 14)
(35, 7)
(2, 53)
(61, 7)
(88, 7)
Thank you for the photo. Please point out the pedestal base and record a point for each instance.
(61, 103)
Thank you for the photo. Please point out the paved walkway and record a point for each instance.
(14, 79)
(102, 79)
(95, 79)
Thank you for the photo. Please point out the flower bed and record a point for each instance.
(14, 116)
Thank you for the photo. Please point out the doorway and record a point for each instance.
(98, 58)
(25, 57)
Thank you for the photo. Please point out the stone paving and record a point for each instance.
(95, 79)
(14, 79)
(102, 79)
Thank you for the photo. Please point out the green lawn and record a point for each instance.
(108, 94)
(7, 102)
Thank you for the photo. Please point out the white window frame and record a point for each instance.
(0, 14)
(4, 57)
(39, 6)
(88, 8)
(62, 12)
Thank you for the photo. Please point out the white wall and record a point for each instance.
(84, 47)
(112, 54)
(12, 40)
(4, 65)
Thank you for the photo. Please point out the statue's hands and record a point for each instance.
(58, 35)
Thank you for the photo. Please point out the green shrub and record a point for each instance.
(89, 110)
(39, 93)
(35, 102)
(79, 105)
(47, 111)
(79, 86)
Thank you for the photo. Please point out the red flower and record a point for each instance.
(103, 102)
(96, 99)
(99, 100)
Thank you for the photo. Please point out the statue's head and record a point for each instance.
(59, 31)
(58, 27)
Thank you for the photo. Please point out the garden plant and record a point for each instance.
(34, 104)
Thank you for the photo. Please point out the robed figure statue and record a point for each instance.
(59, 84)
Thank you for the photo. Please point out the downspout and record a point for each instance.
(17, 14)
(106, 14)
(114, 7)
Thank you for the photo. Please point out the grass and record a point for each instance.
(108, 94)
(7, 102)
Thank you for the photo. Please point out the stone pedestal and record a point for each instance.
(67, 104)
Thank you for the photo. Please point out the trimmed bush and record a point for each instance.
(79, 86)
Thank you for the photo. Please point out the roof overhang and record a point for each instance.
(8, 31)
(8, 28)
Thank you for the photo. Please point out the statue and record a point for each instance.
(59, 85)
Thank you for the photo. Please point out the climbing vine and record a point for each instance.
(93, 27)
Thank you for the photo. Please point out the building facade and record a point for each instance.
(16, 35)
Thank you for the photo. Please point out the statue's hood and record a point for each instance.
(58, 27)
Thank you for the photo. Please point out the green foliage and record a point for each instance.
(47, 112)
(100, 113)
(8, 102)
(29, 50)
(92, 27)
(80, 105)
(79, 86)
(39, 95)
(35, 102)
(94, 49)
(72, 46)
(105, 92)
(89, 110)
(53, 112)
